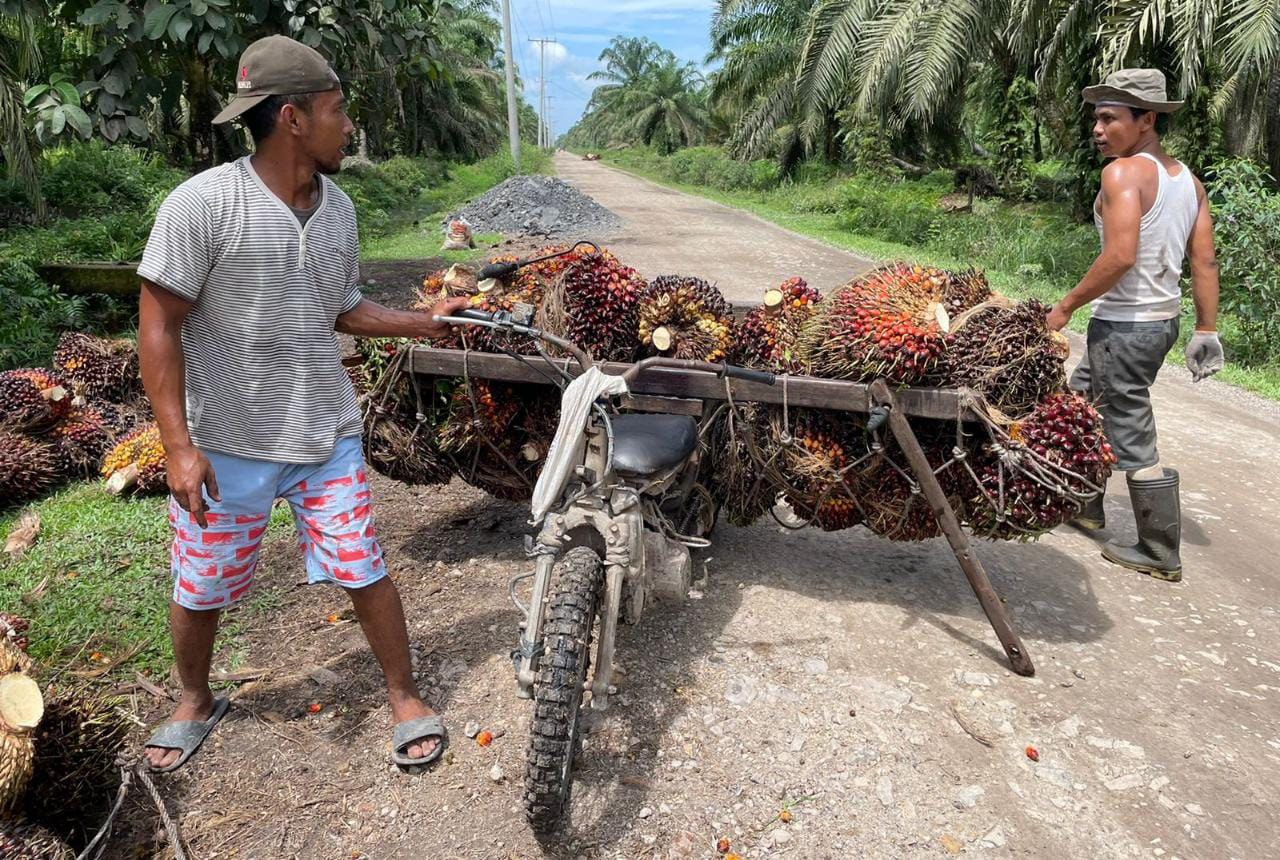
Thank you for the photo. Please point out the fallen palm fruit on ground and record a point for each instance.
(136, 463)
(684, 317)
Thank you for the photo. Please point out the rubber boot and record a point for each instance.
(1092, 516)
(1158, 514)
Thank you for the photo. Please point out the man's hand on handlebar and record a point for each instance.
(443, 308)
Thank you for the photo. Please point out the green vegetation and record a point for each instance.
(648, 97)
(97, 580)
(103, 201)
(1028, 250)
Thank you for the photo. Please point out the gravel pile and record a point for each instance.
(538, 206)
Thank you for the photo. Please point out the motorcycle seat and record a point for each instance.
(646, 443)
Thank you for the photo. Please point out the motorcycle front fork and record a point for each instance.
(624, 556)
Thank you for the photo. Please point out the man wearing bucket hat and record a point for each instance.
(250, 269)
(1152, 215)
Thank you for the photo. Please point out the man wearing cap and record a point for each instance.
(1152, 214)
(250, 269)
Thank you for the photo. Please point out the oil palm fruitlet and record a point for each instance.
(33, 399)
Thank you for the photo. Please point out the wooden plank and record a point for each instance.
(836, 394)
(969, 563)
(667, 405)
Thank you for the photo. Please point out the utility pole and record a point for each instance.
(551, 126)
(513, 115)
(542, 88)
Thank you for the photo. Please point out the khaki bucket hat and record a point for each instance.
(1139, 88)
(277, 66)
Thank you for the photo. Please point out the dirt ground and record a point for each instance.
(847, 680)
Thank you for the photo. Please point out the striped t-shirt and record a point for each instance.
(264, 372)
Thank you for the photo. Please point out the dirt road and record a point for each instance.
(850, 681)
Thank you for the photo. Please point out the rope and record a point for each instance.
(128, 773)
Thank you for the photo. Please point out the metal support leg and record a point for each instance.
(950, 524)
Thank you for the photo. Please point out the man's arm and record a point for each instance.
(160, 317)
(1121, 204)
(1204, 350)
(370, 319)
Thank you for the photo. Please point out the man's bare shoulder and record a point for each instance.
(1124, 173)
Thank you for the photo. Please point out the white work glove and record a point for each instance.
(1204, 355)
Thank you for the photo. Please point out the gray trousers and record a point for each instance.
(1116, 372)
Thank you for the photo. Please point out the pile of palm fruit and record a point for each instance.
(495, 435)
(59, 748)
(1037, 454)
(1035, 457)
(86, 416)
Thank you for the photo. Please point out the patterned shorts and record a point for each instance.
(213, 567)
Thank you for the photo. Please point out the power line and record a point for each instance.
(542, 88)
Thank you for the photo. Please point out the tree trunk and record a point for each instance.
(203, 108)
(1271, 133)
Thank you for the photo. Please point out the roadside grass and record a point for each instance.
(95, 585)
(778, 206)
(417, 241)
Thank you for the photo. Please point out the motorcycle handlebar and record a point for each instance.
(498, 270)
(746, 374)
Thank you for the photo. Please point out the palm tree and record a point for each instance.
(759, 42)
(1235, 42)
(19, 56)
(667, 106)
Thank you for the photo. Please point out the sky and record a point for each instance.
(583, 28)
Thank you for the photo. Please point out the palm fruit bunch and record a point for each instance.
(14, 629)
(593, 304)
(769, 337)
(1043, 469)
(684, 317)
(964, 291)
(80, 440)
(100, 368)
(1008, 353)
(122, 418)
(75, 776)
(455, 281)
(33, 399)
(817, 467)
(23, 840)
(400, 415)
(480, 436)
(895, 505)
(28, 467)
(889, 323)
(741, 451)
(21, 709)
(136, 462)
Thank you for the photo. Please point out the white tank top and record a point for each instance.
(1150, 290)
